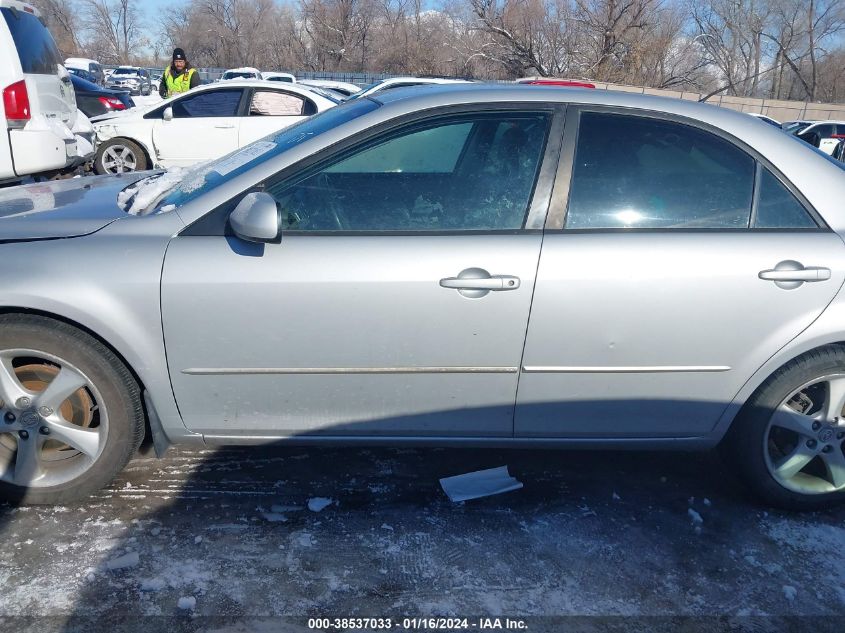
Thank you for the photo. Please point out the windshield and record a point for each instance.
(125, 71)
(365, 89)
(238, 75)
(171, 189)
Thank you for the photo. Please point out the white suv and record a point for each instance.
(39, 105)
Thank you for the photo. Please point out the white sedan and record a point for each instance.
(203, 124)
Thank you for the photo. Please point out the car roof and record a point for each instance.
(834, 121)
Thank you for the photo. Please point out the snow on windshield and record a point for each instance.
(139, 196)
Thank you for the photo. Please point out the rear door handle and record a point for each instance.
(474, 283)
(790, 274)
(224, 126)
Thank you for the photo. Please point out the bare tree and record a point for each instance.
(114, 30)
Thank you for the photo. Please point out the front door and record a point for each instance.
(204, 127)
(395, 303)
(683, 264)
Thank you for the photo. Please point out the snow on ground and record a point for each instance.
(226, 534)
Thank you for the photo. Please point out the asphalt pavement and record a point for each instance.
(225, 540)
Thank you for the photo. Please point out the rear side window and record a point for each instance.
(274, 103)
(36, 48)
(213, 103)
(777, 208)
(641, 173)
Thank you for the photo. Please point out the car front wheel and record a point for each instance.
(70, 412)
(119, 155)
(788, 443)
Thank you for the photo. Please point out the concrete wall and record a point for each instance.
(780, 110)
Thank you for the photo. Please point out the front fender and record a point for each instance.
(107, 284)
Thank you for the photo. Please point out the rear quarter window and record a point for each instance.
(35, 46)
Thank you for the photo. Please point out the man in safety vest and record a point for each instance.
(179, 77)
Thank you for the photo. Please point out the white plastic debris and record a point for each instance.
(187, 603)
(481, 483)
(789, 592)
(616, 497)
(707, 502)
(695, 516)
(316, 504)
(124, 562)
(197, 540)
(274, 517)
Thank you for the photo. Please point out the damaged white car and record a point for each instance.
(203, 124)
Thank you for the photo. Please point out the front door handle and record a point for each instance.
(497, 282)
(790, 274)
(224, 126)
(477, 282)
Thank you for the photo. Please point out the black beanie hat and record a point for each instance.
(178, 53)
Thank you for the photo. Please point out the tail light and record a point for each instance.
(111, 103)
(16, 103)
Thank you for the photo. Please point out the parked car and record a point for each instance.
(283, 77)
(155, 81)
(90, 66)
(824, 134)
(82, 74)
(342, 87)
(95, 100)
(241, 73)
(794, 127)
(402, 82)
(549, 81)
(389, 270)
(205, 123)
(39, 109)
(135, 80)
(765, 119)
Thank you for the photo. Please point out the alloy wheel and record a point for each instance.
(53, 424)
(118, 159)
(804, 443)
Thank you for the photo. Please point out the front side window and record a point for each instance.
(472, 172)
(274, 103)
(641, 173)
(211, 103)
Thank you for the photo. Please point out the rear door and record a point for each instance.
(674, 275)
(271, 110)
(48, 83)
(204, 126)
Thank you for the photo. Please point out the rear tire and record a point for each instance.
(788, 442)
(64, 471)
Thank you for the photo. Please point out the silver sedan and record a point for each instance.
(474, 265)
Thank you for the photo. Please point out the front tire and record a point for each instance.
(119, 156)
(70, 415)
(788, 443)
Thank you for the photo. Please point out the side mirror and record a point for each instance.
(256, 218)
(167, 115)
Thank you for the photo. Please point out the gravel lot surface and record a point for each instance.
(211, 539)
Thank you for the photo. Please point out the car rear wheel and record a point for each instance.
(118, 156)
(788, 444)
(70, 412)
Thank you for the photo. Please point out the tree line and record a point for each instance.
(780, 49)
